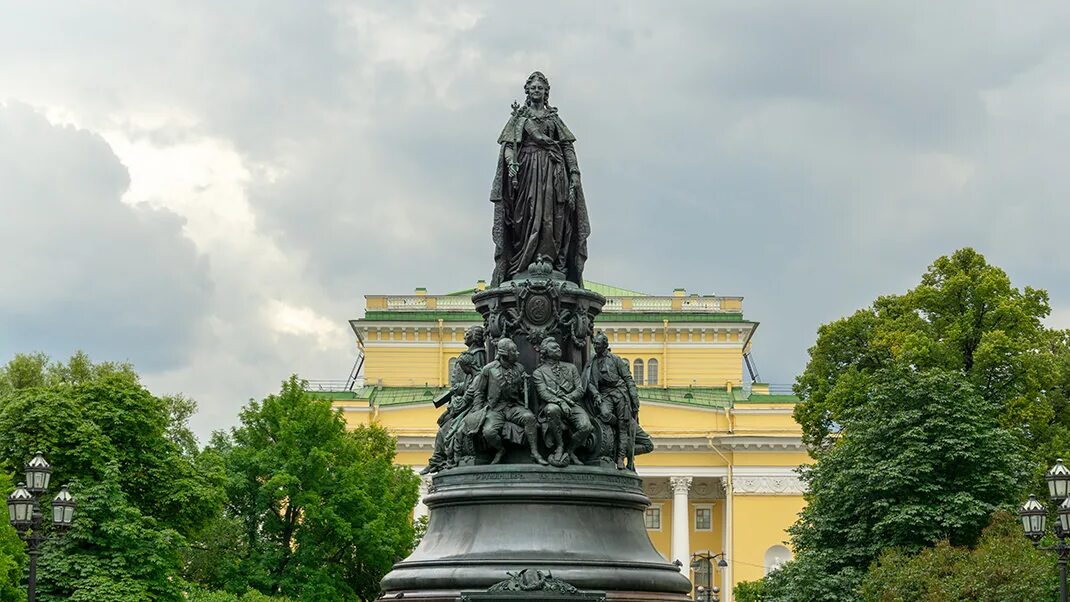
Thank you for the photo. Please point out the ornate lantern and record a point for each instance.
(1034, 519)
(1058, 479)
(63, 509)
(20, 506)
(38, 474)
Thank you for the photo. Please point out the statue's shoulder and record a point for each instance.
(563, 133)
(513, 130)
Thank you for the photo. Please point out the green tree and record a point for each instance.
(114, 552)
(964, 316)
(750, 591)
(1003, 566)
(325, 512)
(139, 495)
(12, 555)
(922, 458)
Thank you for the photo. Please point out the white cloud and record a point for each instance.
(276, 162)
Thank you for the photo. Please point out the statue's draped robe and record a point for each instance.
(539, 217)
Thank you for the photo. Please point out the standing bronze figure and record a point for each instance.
(616, 399)
(539, 209)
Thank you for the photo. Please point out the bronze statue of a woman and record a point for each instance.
(539, 210)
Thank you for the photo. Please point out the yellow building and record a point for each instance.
(722, 475)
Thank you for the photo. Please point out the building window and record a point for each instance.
(453, 364)
(652, 372)
(652, 518)
(702, 579)
(637, 372)
(703, 518)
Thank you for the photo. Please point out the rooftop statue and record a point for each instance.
(539, 209)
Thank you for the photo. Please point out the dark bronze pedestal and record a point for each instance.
(584, 525)
(535, 307)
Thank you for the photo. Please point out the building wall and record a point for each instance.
(760, 522)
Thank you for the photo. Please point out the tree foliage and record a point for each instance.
(926, 412)
(964, 316)
(12, 555)
(922, 459)
(1003, 566)
(323, 511)
(749, 591)
(139, 494)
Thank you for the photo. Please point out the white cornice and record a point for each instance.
(407, 443)
(361, 409)
(681, 471)
(760, 443)
(446, 345)
(768, 485)
(788, 409)
(655, 346)
(764, 471)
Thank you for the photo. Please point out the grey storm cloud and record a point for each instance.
(81, 270)
(807, 156)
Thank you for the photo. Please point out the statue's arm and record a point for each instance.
(478, 389)
(568, 149)
(577, 391)
(570, 158)
(626, 374)
(592, 386)
(510, 138)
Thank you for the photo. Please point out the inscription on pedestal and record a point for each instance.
(532, 597)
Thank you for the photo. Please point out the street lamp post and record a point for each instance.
(24, 512)
(1035, 518)
(707, 592)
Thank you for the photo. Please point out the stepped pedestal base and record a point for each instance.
(584, 525)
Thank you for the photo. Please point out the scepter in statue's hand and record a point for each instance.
(514, 170)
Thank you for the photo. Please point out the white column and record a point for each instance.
(729, 549)
(421, 509)
(681, 532)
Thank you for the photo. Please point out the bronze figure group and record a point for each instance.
(558, 408)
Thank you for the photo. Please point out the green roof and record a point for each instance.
(391, 396)
(335, 395)
(607, 290)
(773, 398)
(710, 397)
(430, 315)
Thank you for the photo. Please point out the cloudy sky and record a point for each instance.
(209, 189)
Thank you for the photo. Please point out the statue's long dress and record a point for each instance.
(538, 217)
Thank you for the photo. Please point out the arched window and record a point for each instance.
(775, 557)
(453, 364)
(637, 371)
(652, 371)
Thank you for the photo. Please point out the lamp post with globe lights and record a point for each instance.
(707, 592)
(24, 512)
(1035, 519)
